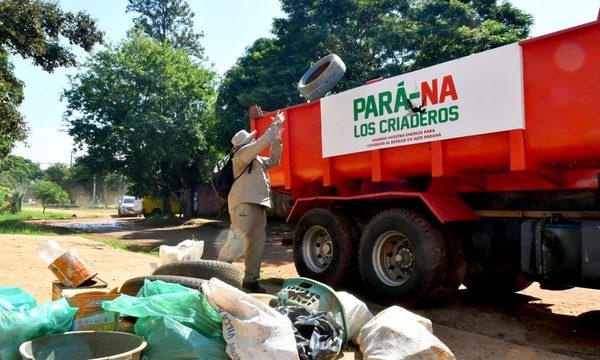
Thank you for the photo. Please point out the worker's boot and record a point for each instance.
(253, 287)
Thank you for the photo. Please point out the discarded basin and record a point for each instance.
(84, 345)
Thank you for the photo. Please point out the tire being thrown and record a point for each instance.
(321, 77)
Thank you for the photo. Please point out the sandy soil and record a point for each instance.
(533, 324)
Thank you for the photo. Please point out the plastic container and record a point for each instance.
(67, 265)
(49, 251)
(313, 295)
(84, 345)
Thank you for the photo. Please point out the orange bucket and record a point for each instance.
(71, 269)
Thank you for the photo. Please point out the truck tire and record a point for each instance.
(321, 77)
(203, 269)
(132, 286)
(402, 256)
(324, 247)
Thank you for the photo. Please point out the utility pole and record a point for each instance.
(94, 193)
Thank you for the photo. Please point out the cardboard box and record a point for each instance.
(91, 315)
(58, 287)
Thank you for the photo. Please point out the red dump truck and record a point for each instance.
(483, 171)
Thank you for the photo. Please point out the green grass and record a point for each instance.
(162, 220)
(124, 245)
(15, 223)
(33, 215)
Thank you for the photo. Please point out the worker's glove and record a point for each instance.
(278, 119)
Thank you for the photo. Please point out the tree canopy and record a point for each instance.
(48, 193)
(37, 30)
(168, 20)
(16, 176)
(375, 38)
(141, 109)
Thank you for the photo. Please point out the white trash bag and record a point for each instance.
(187, 250)
(396, 333)
(252, 330)
(233, 248)
(357, 313)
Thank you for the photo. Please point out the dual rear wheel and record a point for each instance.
(401, 255)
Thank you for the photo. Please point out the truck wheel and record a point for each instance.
(402, 256)
(324, 247)
(203, 269)
(133, 285)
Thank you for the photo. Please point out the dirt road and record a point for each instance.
(534, 324)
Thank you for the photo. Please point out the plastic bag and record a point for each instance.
(176, 321)
(396, 333)
(169, 339)
(182, 304)
(187, 250)
(252, 329)
(357, 313)
(22, 320)
(233, 248)
(318, 335)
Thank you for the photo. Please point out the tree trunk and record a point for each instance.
(187, 204)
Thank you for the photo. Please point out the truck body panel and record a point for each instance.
(494, 210)
(558, 149)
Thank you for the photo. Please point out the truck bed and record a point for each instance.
(558, 147)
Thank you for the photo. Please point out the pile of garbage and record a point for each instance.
(216, 320)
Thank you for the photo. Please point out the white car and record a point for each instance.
(129, 205)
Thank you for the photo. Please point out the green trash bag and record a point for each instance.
(184, 305)
(21, 319)
(177, 322)
(168, 339)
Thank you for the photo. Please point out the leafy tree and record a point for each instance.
(16, 176)
(12, 125)
(141, 109)
(48, 193)
(375, 38)
(168, 20)
(5, 198)
(37, 30)
(57, 173)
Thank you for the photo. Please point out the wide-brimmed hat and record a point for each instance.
(242, 137)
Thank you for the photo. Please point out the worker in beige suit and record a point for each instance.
(250, 196)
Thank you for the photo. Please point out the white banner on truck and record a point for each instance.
(477, 94)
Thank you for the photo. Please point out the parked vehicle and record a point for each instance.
(129, 206)
(155, 206)
(482, 171)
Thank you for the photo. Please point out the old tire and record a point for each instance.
(203, 269)
(321, 77)
(324, 247)
(402, 256)
(132, 286)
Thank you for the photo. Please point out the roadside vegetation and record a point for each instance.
(17, 223)
(124, 245)
(20, 223)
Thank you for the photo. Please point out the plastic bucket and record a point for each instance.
(71, 269)
(84, 345)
